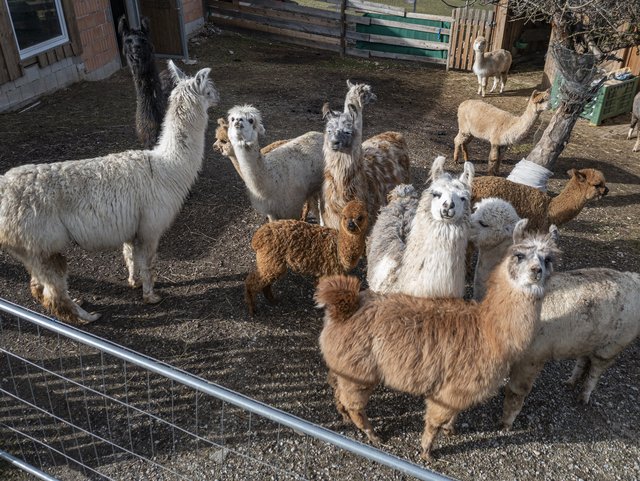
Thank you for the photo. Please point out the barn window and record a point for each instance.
(37, 25)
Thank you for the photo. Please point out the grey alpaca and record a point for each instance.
(388, 238)
(152, 89)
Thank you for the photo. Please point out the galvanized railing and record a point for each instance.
(74, 404)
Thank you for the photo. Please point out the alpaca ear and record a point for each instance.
(202, 77)
(123, 26)
(554, 234)
(577, 174)
(437, 167)
(259, 127)
(222, 122)
(326, 110)
(349, 84)
(176, 73)
(368, 96)
(145, 25)
(518, 231)
(467, 174)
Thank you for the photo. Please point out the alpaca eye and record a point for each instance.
(251, 121)
(547, 261)
(483, 224)
(519, 256)
(359, 219)
(437, 195)
(463, 199)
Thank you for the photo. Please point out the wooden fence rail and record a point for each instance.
(468, 24)
(354, 27)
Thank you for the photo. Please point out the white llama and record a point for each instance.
(281, 181)
(433, 262)
(494, 64)
(130, 198)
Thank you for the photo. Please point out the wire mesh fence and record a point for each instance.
(75, 406)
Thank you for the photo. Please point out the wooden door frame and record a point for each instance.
(133, 11)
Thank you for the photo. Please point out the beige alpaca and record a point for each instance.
(541, 209)
(494, 64)
(501, 129)
(453, 352)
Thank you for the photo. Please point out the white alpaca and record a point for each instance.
(494, 64)
(280, 182)
(587, 314)
(130, 198)
(433, 263)
(492, 225)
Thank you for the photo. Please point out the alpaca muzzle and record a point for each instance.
(352, 226)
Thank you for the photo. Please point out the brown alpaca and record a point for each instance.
(541, 209)
(453, 352)
(307, 249)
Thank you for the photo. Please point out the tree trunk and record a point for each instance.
(556, 136)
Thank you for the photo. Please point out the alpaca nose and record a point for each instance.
(606, 191)
(335, 144)
(536, 270)
(352, 225)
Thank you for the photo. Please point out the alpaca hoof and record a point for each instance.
(78, 301)
(584, 399)
(506, 426)
(373, 437)
(636, 149)
(89, 317)
(570, 383)
(426, 456)
(134, 283)
(449, 431)
(152, 298)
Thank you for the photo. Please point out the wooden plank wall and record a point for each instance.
(468, 24)
(331, 29)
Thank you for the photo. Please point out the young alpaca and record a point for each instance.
(306, 249)
(128, 198)
(494, 64)
(635, 115)
(541, 209)
(433, 261)
(453, 352)
(388, 239)
(501, 129)
(354, 170)
(281, 181)
(152, 90)
(492, 225)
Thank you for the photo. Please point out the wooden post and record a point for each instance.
(343, 27)
(500, 19)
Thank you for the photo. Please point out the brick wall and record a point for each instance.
(97, 34)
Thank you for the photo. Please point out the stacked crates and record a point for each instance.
(614, 97)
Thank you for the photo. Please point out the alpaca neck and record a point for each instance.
(521, 126)
(251, 164)
(350, 249)
(344, 167)
(488, 259)
(510, 315)
(567, 204)
(183, 131)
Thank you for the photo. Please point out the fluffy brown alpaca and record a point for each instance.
(541, 209)
(453, 352)
(307, 249)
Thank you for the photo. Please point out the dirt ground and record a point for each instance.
(202, 325)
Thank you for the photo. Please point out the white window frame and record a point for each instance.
(48, 44)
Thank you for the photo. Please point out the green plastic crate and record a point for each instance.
(611, 100)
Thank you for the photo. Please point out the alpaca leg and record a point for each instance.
(144, 256)
(268, 270)
(460, 143)
(494, 160)
(436, 416)
(503, 81)
(129, 260)
(598, 366)
(449, 429)
(579, 369)
(484, 85)
(332, 380)
(520, 382)
(636, 148)
(51, 272)
(495, 83)
(479, 85)
(353, 399)
(634, 121)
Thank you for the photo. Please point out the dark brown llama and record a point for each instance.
(152, 89)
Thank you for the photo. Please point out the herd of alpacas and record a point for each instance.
(411, 330)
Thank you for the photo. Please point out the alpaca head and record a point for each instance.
(480, 45)
(222, 143)
(354, 218)
(591, 182)
(530, 259)
(245, 124)
(136, 43)
(449, 197)
(358, 95)
(540, 100)
(340, 128)
(492, 222)
(199, 86)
